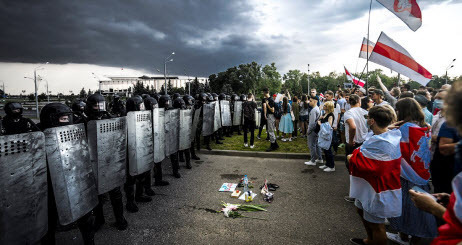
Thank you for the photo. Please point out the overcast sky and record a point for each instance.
(79, 38)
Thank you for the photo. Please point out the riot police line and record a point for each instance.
(59, 169)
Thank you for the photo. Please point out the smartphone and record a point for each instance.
(420, 190)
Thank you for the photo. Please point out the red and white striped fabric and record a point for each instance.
(415, 148)
(451, 232)
(375, 175)
(354, 79)
(407, 10)
(391, 55)
(366, 48)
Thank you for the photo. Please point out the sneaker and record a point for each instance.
(329, 169)
(290, 139)
(284, 140)
(349, 199)
(319, 161)
(246, 145)
(295, 137)
(252, 146)
(396, 238)
(258, 137)
(341, 145)
(322, 166)
(310, 163)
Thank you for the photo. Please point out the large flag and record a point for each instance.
(375, 175)
(407, 10)
(391, 55)
(354, 79)
(451, 231)
(415, 148)
(366, 48)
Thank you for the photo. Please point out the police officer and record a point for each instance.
(189, 103)
(234, 98)
(165, 103)
(202, 100)
(57, 115)
(78, 107)
(225, 129)
(185, 154)
(117, 107)
(14, 122)
(135, 103)
(95, 109)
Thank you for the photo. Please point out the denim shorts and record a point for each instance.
(304, 118)
(367, 216)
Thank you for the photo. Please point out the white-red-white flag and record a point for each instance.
(407, 10)
(390, 54)
(354, 79)
(366, 48)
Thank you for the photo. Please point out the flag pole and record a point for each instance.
(367, 47)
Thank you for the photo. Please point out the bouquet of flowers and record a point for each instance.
(231, 210)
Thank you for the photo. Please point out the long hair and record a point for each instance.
(409, 110)
(305, 101)
(285, 105)
(329, 107)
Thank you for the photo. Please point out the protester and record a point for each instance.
(415, 172)
(377, 97)
(248, 109)
(315, 151)
(286, 125)
(304, 111)
(296, 114)
(375, 176)
(423, 105)
(271, 119)
(355, 124)
(335, 138)
(263, 119)
(392, 96)
(328, 118)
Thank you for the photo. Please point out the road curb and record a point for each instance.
(261, 154)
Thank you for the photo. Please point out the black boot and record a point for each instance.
(158, 175)
(139, 195)
(180, 153)
(273, 147)
(187, 155)
(130, 195)
(86, 227)
(147, 182)
(193, 153)
(118, 207)
(99, 214)
(175, 165)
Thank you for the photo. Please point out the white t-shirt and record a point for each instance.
(383, 103)
(358, 115)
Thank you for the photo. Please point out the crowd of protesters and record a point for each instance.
(400, 144)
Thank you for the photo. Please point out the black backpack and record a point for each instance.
(248, 110)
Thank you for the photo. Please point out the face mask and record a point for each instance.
(438, 104)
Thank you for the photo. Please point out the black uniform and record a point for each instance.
(14, 122)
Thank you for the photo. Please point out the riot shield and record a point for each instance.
(225, 113)
(158, 119)
(23, 188)
(71, 172)
(208, 119)
(217, 117)
(257, 117)
(237, 119)
(140, 142)
(107, 141)
(172, 128)
(185, 129)
(197, 114)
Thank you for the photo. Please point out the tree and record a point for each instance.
(271, 79)
(292, 82)
(89, 92)
(83, 93)
(139, 88)
(42, 97)
(31, 97)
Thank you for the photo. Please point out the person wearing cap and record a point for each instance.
(423, 104)
(377, 97)
(391, 96)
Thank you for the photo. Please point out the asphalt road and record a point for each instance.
(308, 207)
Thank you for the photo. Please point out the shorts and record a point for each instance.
(367, 216)
(304, 118)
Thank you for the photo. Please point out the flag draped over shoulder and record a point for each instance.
(415, 148)
(451, 232)
(390, 54)
(366, 48)
(354, 79)
(407, 10)
(375, 175)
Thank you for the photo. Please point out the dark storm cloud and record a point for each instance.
(207, 35)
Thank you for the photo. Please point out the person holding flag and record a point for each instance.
(415, 173)
(375, 176)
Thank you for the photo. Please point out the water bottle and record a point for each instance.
(246, 184)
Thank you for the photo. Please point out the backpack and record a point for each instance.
(249, 111)
(325, 136)
(277, 110)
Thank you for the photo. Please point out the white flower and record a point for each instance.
(226, 211)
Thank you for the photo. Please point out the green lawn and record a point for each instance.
(236, 142)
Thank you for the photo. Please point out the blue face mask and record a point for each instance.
(438, 104)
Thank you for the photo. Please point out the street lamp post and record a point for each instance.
(35, 82)
(449, 67)
(308, 76)
(165, 70)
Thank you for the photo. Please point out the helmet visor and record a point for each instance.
(99, 106)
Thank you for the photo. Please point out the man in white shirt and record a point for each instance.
(355, 124)
(377, 97)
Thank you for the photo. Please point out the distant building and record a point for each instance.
(121, 84)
